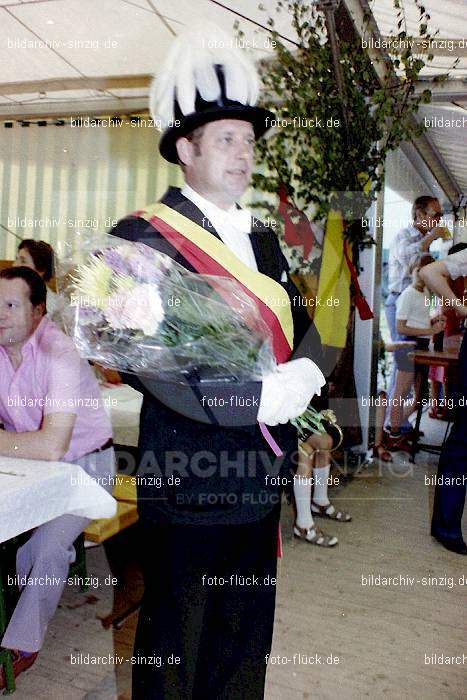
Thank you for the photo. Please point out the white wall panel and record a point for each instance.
(60, 179)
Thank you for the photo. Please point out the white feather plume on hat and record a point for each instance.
(190, 67)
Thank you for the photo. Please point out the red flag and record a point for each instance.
(299, 233)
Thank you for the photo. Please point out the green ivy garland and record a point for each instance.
(335, 159)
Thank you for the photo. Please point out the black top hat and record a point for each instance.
(204, 78)
(210, 111)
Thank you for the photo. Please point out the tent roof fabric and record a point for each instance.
(82, 55)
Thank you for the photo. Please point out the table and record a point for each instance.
(123, 405)
(32, 492)
(423, 359)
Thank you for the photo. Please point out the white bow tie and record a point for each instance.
(240, 219)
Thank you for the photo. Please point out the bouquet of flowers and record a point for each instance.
(135, 309)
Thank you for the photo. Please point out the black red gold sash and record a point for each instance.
(210, 256)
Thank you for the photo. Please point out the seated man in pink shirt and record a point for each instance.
(50, 409)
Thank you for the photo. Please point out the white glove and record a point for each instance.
(288, 389)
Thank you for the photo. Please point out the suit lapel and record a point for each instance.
(264, 251)
(266, 258)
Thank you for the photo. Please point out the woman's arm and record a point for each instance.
(404, 329)
(436, 277)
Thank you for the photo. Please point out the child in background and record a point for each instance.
(413, 323)
(379, 451)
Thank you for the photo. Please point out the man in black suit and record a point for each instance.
(211, 530)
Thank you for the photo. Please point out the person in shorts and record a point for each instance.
(413, 322)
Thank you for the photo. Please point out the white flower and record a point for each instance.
(139, 309)
(127, 250)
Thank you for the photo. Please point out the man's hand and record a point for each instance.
(441, 231)
(437, 232)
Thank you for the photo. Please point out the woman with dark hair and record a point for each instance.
(39, 256)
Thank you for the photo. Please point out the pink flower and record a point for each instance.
(113, 311)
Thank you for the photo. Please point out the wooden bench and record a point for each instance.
(124, 492)
(99, 531)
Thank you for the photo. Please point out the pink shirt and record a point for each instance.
(52, 378)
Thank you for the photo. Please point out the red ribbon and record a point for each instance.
(299, 233)
(360, 302)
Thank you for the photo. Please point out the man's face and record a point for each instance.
(220, 162)
(429, 218)
(18, 317)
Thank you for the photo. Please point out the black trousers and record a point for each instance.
(449, 499)
(448, 505)
(207, 616)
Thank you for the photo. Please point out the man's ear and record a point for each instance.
(38, 312)
(184, 150)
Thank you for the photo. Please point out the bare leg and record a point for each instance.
(321, 471)
(322, 467)
(379, 449)
(418, 390)
(379, 418)
(305, 527)
(403, 383)
(434, 393)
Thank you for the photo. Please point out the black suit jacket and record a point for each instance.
(206, 435)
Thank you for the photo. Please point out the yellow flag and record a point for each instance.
(332, 313)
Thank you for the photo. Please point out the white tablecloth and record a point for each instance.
(34, 492)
